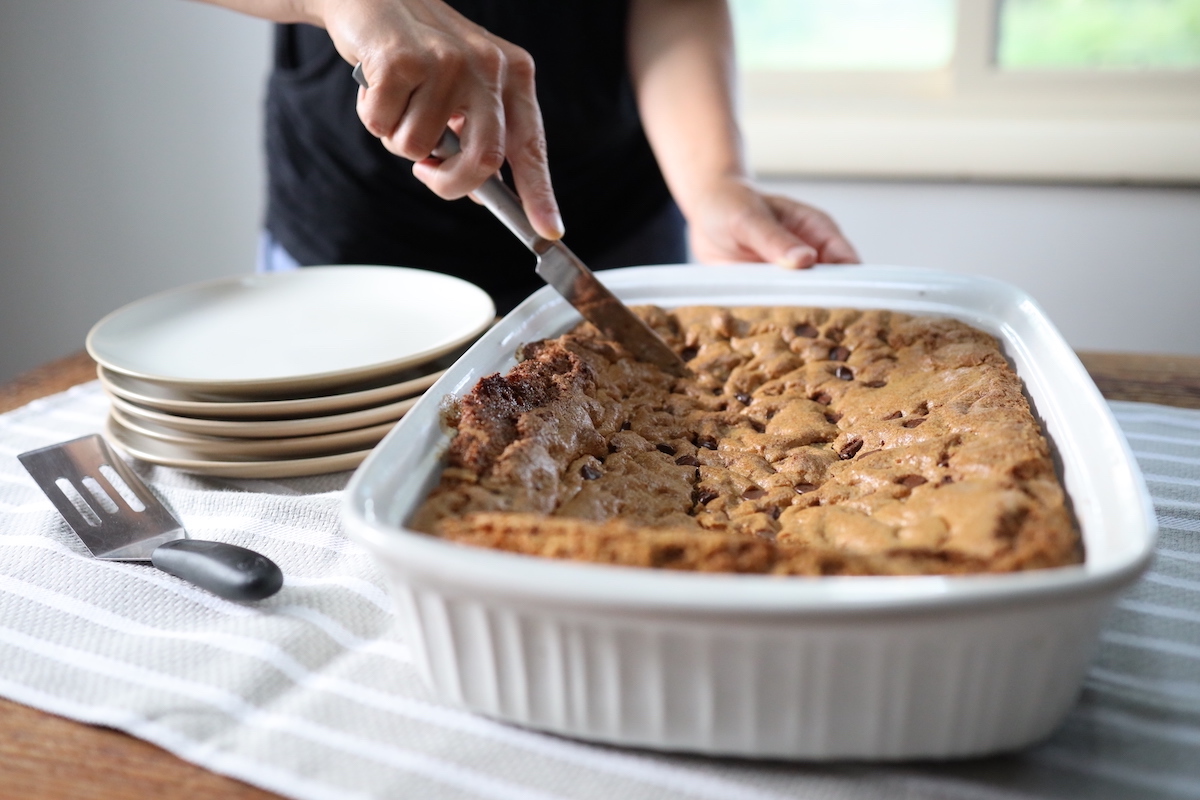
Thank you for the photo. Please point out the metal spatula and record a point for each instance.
(117, 518)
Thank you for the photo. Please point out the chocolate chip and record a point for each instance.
(947, 480)
(687, 461)
(754, 492)
(875, 384)
(832, 417)
(626, 425)
(612, 447)
(590, 472)
(804, 488)
(665, 448)
(912, 481)
(894, 415)
(707, 442)
(689, 353)
(850, 449)
(912, 423)
(743, 398)
(806, 330)
(844, 373)
(703, 497)
(823, 398)
(775, 512)
(839, 353)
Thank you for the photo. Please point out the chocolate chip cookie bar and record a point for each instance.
(809, 441)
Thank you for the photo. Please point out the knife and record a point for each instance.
(565, 271)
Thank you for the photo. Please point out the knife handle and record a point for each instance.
(226, 570)
(495, 195)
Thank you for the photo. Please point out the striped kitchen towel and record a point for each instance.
(311, 694)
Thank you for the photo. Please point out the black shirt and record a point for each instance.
(336, 196)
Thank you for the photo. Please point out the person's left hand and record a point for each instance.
(733, 221)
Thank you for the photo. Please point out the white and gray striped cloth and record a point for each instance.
(310, 693)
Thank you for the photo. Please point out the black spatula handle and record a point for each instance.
(226, 570)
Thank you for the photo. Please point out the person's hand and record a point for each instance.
(732, 221)
(428, 67)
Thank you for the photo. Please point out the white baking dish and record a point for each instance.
(840, 667)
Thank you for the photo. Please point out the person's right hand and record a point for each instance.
(428, 67)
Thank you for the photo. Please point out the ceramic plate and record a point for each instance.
(164, 398)
(269, 428)
(209, 447)
(166, 455)
(283, 334)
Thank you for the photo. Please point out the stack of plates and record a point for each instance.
(277, 375)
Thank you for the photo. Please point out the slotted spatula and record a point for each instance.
(117, 518)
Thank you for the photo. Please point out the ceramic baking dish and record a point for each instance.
(814, 668)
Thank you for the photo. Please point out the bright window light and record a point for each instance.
(1090, 34)
(845, 35)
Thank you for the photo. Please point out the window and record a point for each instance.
(1100, 34)
(1081, 90)
(900, 35)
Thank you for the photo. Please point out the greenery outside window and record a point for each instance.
(1075, 90)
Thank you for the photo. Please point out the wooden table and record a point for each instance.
(45, 756)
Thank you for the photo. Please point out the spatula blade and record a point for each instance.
(108, 507)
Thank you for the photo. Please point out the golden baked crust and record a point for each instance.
(810, 442)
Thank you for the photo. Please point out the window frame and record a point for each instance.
(972, 120)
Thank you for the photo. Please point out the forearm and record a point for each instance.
(275, 10)
(682, 63)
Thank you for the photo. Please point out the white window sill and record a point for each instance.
(1156, 151)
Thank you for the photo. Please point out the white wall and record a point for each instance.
(130, 162)
(129, 159)
(1116, 268)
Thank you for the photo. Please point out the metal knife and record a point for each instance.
(564, 270)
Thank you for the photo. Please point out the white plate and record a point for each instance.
(815, 668)
(213, 447)
(268, 428)
(281, 334)
(164, 398)
(165, 455)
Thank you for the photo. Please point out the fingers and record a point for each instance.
(526, 149)
(738, 223)
(409, 107)
(490, 100)
(816, 228)
(482, 154)
(758, 230)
